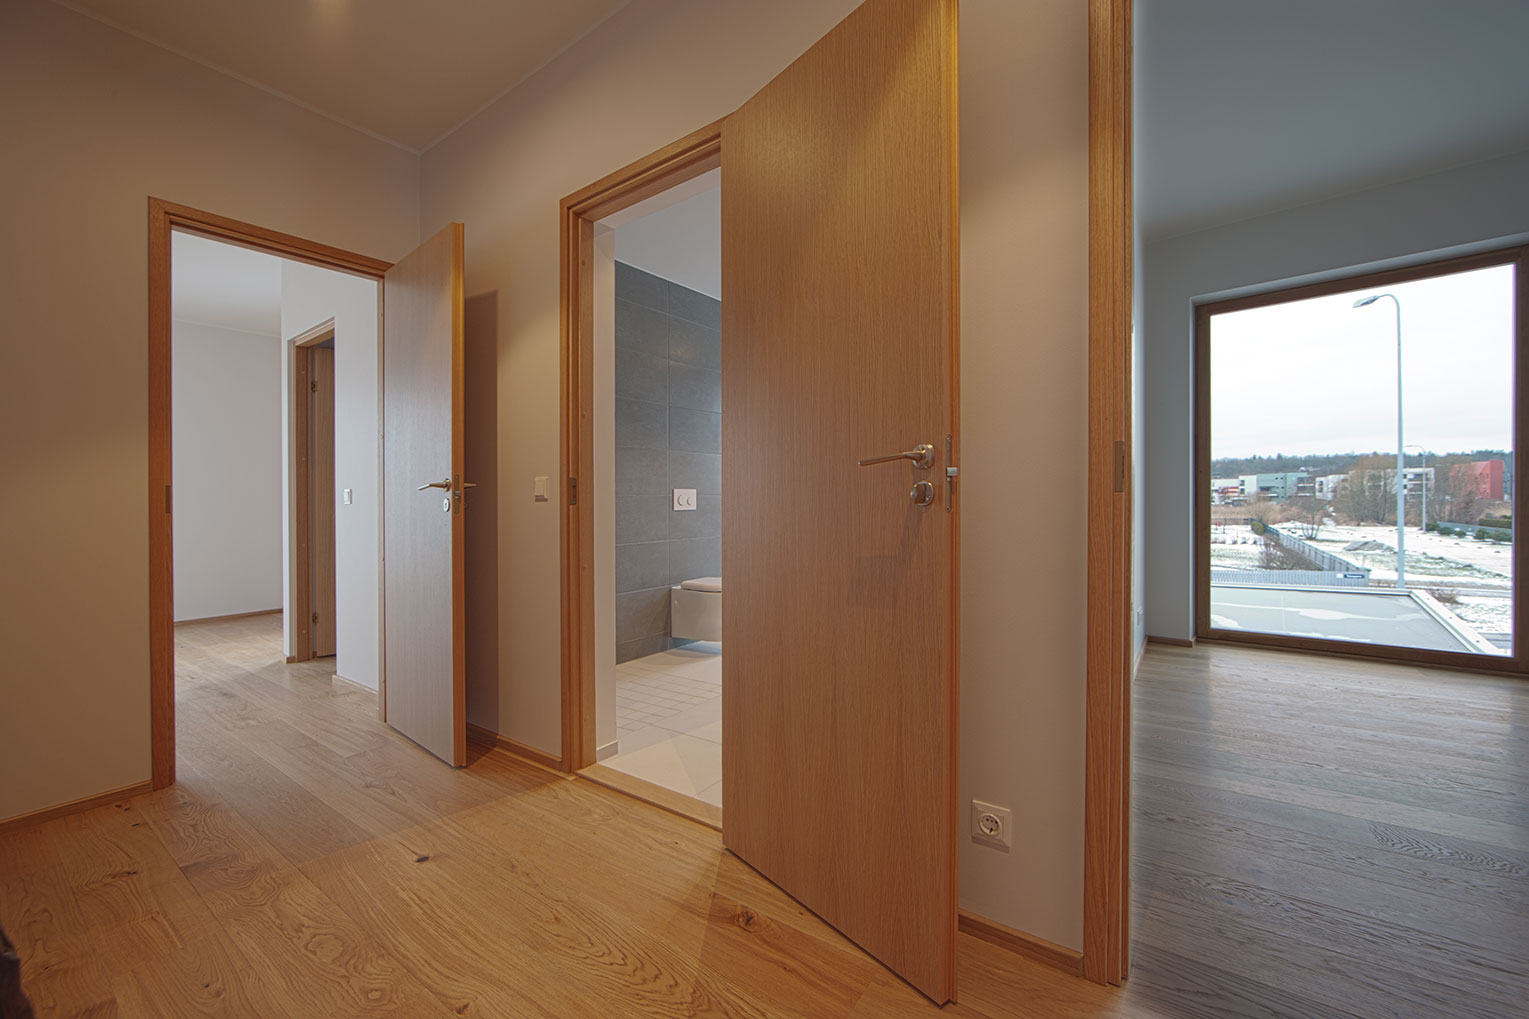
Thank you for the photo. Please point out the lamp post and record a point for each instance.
(1424, 479)
(1401, 474)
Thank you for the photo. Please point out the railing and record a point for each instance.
(1292, 578)
(1319, 556)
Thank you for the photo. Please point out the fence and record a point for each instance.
(1296, 578)
(1319, 557)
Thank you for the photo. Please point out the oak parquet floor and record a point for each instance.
(1312, 839)
(1320, 837)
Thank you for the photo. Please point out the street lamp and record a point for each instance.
(1424, 479)
(1401, 473)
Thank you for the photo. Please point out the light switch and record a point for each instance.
(684, 499)
(347, 497)
(539, 488)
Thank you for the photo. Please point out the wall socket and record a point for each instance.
(992, 825)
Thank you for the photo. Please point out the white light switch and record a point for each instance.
(347, 497)
(684, 499)
(539, 488)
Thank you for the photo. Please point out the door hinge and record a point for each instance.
(573, 491)
(169, 506)
(315, 617)
(313, 387)
(1120, 466)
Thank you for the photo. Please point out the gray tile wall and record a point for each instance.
(668, 436)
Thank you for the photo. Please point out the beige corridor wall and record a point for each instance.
(657, 71)
(93, 123)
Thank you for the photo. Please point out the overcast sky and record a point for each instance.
(1319, 376)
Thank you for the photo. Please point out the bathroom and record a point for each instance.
(659, 657)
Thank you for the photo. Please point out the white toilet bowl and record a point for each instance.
(695, 609)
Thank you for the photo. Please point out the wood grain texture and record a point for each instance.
(164, 218)
(1327, 837)
(1106, 878)
(493, 739)
(321, 530)
(648, 792)
(312, 861)
(1518, 662)
(423, 561)
(674, 164)
(73, 806)
(838, 262)
(1067, 960)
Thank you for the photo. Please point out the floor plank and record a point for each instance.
(1311, 839)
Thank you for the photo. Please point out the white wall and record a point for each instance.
(94, 123)
(309, 296)
(1473, 207)
(226, 428)
(655, 72)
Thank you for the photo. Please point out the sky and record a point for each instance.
(1319, 376)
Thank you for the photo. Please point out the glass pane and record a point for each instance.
(1306, 420)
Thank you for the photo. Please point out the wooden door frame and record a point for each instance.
(165, 218)
(1107, 777)
(300, 509)
(1106, 890)
(691, 156)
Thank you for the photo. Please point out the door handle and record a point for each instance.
(922, 456)
(435, 484)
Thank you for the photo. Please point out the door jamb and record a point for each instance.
(1107, 777)
(164, 218)
(301, 507)
(691, 156)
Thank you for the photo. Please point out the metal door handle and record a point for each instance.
(922, 456)
(435, 484)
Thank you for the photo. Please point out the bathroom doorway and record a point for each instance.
(658, 512)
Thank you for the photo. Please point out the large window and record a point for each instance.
(1356, 476)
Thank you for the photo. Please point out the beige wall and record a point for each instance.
(95, 122)
(658, 71)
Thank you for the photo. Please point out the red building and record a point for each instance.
(1486, 473)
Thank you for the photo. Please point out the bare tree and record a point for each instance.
(1309, 514)
(1465, 502)
(1368, 496)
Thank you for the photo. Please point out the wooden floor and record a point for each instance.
(1312, 839)
(311, 863)
(1320, 837)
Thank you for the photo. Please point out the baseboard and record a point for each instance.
(1171, 641)
(359, 686)
(610, 749)
(231, 615)
(1028, 945)
(656, 795)
(540, 757)
(80, 805)
(1141, 649)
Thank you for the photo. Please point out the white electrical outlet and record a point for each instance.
(991, 825)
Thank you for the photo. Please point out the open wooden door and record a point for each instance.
(839, 344)
(424, 605)
(321, 548)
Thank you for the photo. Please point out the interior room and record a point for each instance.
(1330, 324)
(659, 672)
(274, 382)
(986, 756)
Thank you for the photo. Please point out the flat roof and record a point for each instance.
(1362, 616)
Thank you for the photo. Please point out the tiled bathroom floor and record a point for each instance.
(669, 720)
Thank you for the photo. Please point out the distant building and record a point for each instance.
(1276, 487)
(1487, 475)
(1326, 486)
(1225, 492)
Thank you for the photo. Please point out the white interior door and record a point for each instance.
(424, 602)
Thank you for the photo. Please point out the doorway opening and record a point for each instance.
(657, 491)
(274, 447)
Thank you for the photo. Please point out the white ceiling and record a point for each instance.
(409, 71)
(677, 235)
(218, 284)
(1247, 108)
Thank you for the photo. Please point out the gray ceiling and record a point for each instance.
(1247, 107)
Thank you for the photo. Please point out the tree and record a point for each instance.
(1309, 514)
(1368, 496)
(1263, 511)
(1465, 502)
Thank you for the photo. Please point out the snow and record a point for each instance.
(1434, 556)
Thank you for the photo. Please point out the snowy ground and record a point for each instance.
(1472, 578)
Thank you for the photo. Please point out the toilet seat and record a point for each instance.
(709, 584)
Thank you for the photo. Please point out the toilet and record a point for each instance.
(695, 609)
